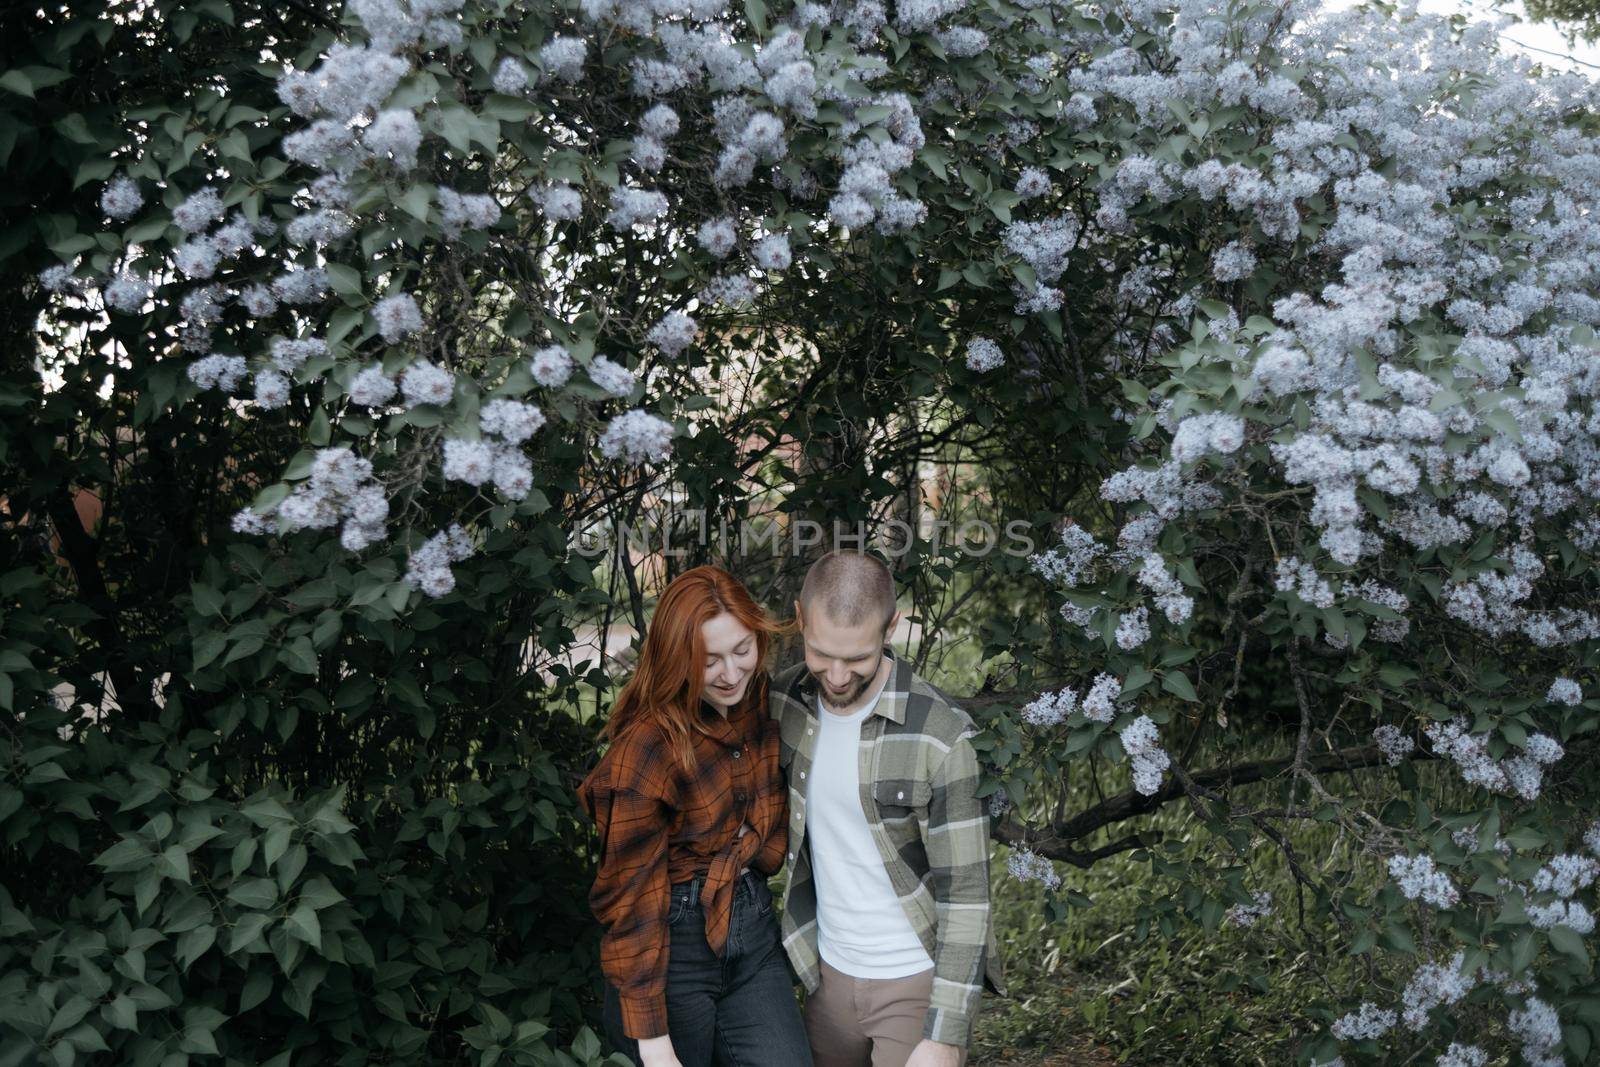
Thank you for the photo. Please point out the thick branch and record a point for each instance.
(1057, 841)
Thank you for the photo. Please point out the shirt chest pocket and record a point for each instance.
(902, 798)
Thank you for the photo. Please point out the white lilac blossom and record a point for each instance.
(660, 122)
(649, 153)
(1459, 1055)
(1394, 745)
(127, 293)
(371, 387)
(1200, 434)
(466, 211)
(673, 332)
(300, 285)
(199, 210)
(717, 236)
(258, 300)
(1419, 879)
(1538, 1026)
(510, 77)
(121, 198)
(397, 316)
(272, 390)
(428, 568)
(1566, 874)
(1050, 709)
(512, 420)
(1073, 561)
(289, 353)
(611, 376)
(729, 290)
(218, 372)
(772, 252)
(1434, 985)
(562, 58)
(1100, 702)
(1133, 628)
(513, 473)
(1365, 1023)
(197, 258)
(1569, 913)
(559, 201)
(632, 207)
(467, 460)
(1259, 907)
(551, 366)
(1026, 865)
(1032, 182)
(1045, 244)
(984, 355)
(59, 279)
(1140, 740)
(318, 227)
(1301, 579)
(427, 383)
(396, 136)
(1564, 691)
(637, 436)
(1232, 262)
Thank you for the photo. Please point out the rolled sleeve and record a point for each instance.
(632, 895)
(958, 861)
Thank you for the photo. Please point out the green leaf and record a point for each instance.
(303, 924)
(1567, 940)
(121, 1012)
(195, 943)
(416, 200)
(246, 930)
(256, 893)
(1177, 683)
(256, 988)
(18, 82)
(346, 281)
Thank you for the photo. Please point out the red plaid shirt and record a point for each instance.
(660, 825)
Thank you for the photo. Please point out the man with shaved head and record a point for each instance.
(886, 912)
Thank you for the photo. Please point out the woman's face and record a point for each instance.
(730, 660)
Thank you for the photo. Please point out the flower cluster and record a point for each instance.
(1260, 907)
(1029, 866)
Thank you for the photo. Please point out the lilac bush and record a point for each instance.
(1344, 271)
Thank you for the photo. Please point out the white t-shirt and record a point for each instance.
(861, 928)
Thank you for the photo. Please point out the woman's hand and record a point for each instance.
(657, 1052)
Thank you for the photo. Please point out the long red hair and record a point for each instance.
(667, 687)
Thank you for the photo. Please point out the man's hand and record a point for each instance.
(934, 1054)
(658, 1052)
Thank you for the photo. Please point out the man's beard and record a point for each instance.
(855, 694)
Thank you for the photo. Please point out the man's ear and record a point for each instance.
(799, 617)
(889, 627)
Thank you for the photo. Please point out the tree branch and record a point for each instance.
(1058, 841)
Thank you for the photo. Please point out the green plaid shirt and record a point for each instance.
(919, 774)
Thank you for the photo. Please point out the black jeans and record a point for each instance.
(735, 1011)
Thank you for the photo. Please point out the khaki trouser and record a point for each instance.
(854, 1022)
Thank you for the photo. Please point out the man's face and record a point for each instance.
(843, 659)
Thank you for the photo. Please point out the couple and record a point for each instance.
(850, 768)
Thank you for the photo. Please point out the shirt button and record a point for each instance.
(791, 856)
(802, 774)
(808, 731)
(899, 796)
(735, 753)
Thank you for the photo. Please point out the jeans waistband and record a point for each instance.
(695, 884)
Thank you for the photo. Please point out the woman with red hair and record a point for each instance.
(692, 811)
